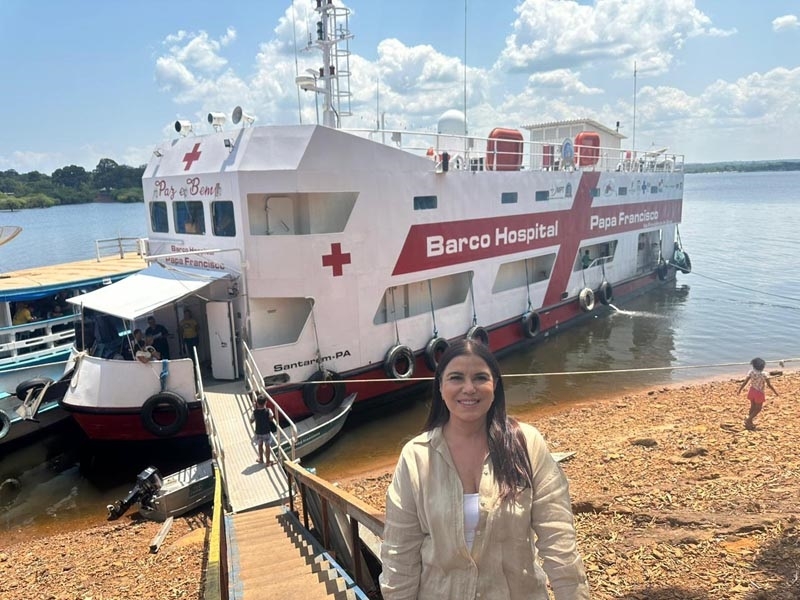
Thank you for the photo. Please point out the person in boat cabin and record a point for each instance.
(160, 335)
(22, 314)
(477, 501)
(133, 345)
(586, 260)
(264, 426)
(758, 382)
(147, 353)
(189, 332)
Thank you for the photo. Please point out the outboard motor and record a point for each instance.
(148, 482)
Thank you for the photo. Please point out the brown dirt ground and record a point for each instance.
(673, 499)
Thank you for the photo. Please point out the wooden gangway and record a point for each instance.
(247, 484)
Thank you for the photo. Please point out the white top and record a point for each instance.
(470, 518)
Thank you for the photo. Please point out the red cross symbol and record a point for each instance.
(192, 156)
(336, 259)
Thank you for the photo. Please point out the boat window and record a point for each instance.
(425, 202)
(189, 217)
(276, 321)
(519, 273)
(222, 218)
(422, 297)
(622, 191)
(158, 217)
(601, 253)
(542, 195)
(299, 214)
(508, 198)
(595, 192)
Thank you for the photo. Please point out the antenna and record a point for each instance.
(633, 142)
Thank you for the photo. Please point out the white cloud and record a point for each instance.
(786, 22)
(557, 34)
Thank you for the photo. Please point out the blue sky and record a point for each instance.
(85, 80)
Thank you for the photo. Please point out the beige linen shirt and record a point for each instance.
(425, 556)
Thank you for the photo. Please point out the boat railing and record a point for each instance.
(118, 245)
(474, 153)
(255, 382)
(37, 340)
(217, 452)
(337, 517)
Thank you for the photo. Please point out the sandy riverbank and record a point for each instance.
(674, 499)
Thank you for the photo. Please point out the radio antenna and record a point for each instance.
(634, 107)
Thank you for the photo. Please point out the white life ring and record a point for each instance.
(399, 363)
(586, 300)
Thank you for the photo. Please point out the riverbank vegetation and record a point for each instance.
(107, 182)
(112, 182)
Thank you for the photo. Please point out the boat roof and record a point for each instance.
(142, 293)
(588, 122)
(37, 282)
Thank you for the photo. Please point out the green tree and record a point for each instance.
(72, 176)
(105, 174)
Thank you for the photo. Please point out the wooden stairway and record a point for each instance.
(269, 559)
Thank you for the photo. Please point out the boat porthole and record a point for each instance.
(324, 393)
(530, 324)
(434, 350)
(399, 363)
(5, 424)
(586, 300)
(478, 333)
(606, 293)
(155, 409)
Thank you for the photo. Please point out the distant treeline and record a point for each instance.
(743, 166)
(108, 182)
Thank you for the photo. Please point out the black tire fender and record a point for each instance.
(31, 384)
(606, 293)
(530, 324)
(687, 264)
(478, 333)
(5, 425)
(397, 357)
(586, 300)
(170, 400)
(662, 270)
(434, 350)
(323, 399)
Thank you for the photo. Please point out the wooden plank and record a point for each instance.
(161, 535)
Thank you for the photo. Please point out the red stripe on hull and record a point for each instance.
(502, 337)
(115, 426)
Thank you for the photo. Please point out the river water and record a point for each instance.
(741, 300)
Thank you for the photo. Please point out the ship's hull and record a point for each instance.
(350, 264)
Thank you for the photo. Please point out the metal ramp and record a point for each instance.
(270, 556)
(248, 485)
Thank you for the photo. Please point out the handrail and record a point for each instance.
(217, 451)
(255, 382)
(215, 573)
(120, 245)
(358, 511)
(544, 155)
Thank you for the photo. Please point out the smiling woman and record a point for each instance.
(497, 475)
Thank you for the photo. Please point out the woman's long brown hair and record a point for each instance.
(507, 447)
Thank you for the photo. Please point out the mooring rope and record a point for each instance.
(433, 312)
(781, 362)
(747, 289)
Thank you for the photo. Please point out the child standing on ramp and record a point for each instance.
(264, 425)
